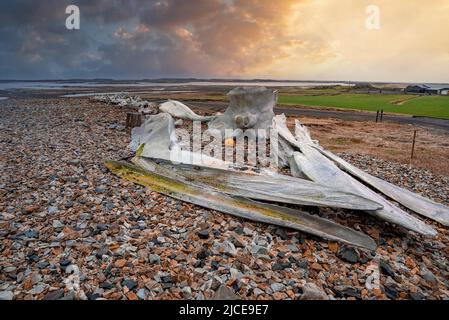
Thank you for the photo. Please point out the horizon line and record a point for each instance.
(212, 79)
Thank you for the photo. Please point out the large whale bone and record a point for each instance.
(249, 108)
(156, 138)
(179, 110)
(274, 187)
(317, 167)
(411, 200)
(241, 207)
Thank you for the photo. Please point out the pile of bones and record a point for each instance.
(125, 100)
(317, 176)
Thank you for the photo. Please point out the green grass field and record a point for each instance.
(430, 106)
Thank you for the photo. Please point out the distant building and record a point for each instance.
(415, 89)
(427, 89)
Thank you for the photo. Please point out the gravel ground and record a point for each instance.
(71, 230)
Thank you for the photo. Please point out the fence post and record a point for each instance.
(413, 145)
(133, 119)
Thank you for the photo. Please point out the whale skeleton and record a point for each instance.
(318, 178)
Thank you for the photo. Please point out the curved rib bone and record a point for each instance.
(411, 200)
(320, 169)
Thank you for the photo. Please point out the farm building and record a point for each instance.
(415, 89)
(427, 89)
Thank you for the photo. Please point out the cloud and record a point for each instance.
(205, 37)
(295, 39)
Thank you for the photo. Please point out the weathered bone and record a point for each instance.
(320, 169)
(249, 108)
(166, 168)
(411, 200)
(274, 187)
(242, 207)
(122, 100)
(156, 138)
(180, 110)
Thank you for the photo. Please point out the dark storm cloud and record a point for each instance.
(125, 39)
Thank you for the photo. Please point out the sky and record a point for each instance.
(245, 39)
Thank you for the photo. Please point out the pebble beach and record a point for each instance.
(69, 229)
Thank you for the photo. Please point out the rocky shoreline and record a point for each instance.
(69, 229)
